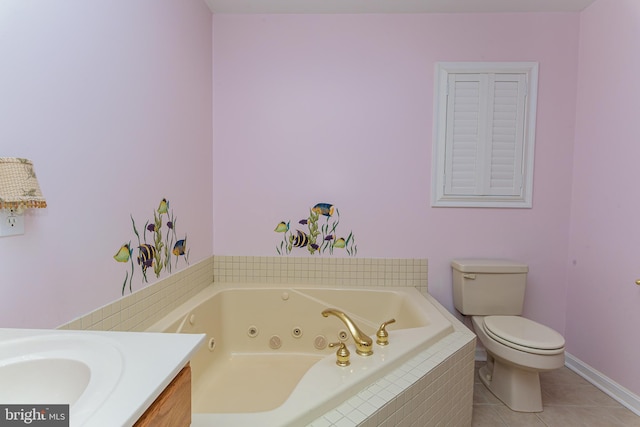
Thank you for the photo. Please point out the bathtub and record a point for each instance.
(266, 362)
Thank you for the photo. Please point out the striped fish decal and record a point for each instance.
(300, 240)
(146, 255)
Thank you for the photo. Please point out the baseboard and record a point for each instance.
(616, 391)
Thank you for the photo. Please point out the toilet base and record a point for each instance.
(515, 387)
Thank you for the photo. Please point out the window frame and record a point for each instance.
(439, 197)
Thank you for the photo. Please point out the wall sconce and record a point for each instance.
(19, 190)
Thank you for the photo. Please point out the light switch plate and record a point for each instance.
(11, 223)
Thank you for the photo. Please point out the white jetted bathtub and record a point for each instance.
(266, 361)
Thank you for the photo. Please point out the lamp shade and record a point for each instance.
(19, 187)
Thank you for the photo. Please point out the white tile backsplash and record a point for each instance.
(139, 310)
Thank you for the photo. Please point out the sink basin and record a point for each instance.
(108, 378)
(50, 381)
(60, 368)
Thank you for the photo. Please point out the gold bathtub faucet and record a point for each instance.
(363, 342)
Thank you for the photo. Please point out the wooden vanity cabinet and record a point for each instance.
(173, 407)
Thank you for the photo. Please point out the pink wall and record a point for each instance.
(338, 108)
(111, 99)
(602, 299)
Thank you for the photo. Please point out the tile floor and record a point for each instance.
(568, 400)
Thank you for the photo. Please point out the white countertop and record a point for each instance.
(137, 367)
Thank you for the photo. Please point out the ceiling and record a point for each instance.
(395, 6)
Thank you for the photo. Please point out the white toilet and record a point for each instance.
(492, 292)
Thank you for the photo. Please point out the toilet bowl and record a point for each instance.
(518, 349)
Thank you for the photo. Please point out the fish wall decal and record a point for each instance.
(158, 253)
(319, 237)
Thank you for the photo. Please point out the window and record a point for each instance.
(484, 132)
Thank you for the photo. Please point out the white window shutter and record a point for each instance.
(464, 133)
(507, 101)
(484, 134)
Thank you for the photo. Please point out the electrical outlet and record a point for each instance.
(11, 223)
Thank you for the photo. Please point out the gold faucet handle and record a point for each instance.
(382, 336)
(342, 354)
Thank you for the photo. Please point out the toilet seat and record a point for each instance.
(523, 334)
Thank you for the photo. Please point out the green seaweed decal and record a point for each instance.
(155, 255)
(317, 238)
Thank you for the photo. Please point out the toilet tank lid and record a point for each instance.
(485, 265)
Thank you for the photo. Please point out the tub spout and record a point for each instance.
(363, 342)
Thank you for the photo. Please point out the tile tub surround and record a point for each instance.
(435, 387)
(322, 271)
(139, 310)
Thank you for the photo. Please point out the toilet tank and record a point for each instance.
(488, 286)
